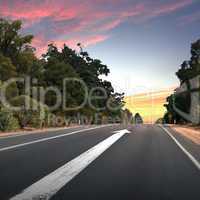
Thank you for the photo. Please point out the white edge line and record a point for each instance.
(48, 186)
(50, 138)
(25, 133)
(189, 155)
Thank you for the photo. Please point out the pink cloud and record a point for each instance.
(42, 44)
(66, 10)
(55, 19)
(86, 41)
(171, 7)
(109, 25)
(134, 11)
(25, 10)
(94, 40)
(188, 19)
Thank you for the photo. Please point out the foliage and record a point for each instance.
(7, 69)
(190, 69)
(7, 120)
(18, 59)
(159, 121)
(10, 91)
(127, 116)
(183, 101)
(67, 63)
(55, 72)
(11, 41)
(138, 119)
(35, 116)
(171, 116)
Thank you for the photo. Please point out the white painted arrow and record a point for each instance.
(52, 183)
(124, 131)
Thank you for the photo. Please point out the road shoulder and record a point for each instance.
(192, 133)
(35, 131)
(186, 142)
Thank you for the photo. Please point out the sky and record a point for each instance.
(143, 42)
(149, 104)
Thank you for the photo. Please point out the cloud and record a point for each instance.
(188, 19)
(42, 45)
(89, 21)
(171, 7)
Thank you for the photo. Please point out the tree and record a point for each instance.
(195, 52)
(86, 68)
(7, 69)
(17, 58)
(11, 41)
(171, 116)
(127, 116)
(189, 69)
(55, 72)
(138, 119)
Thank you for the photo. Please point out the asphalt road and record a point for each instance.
(95, 163)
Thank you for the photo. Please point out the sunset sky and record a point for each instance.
(149, 104)
(142, 41)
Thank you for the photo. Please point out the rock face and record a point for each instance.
(193, 87)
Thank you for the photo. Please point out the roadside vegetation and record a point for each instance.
(18, 59)
(188, 70)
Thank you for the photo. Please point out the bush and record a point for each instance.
(7, 121)
(36, 116)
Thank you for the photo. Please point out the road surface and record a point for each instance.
(102, 162)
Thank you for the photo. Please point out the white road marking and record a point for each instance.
(52, 183)
(25, 133)
(189, 155)
(49, 138)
